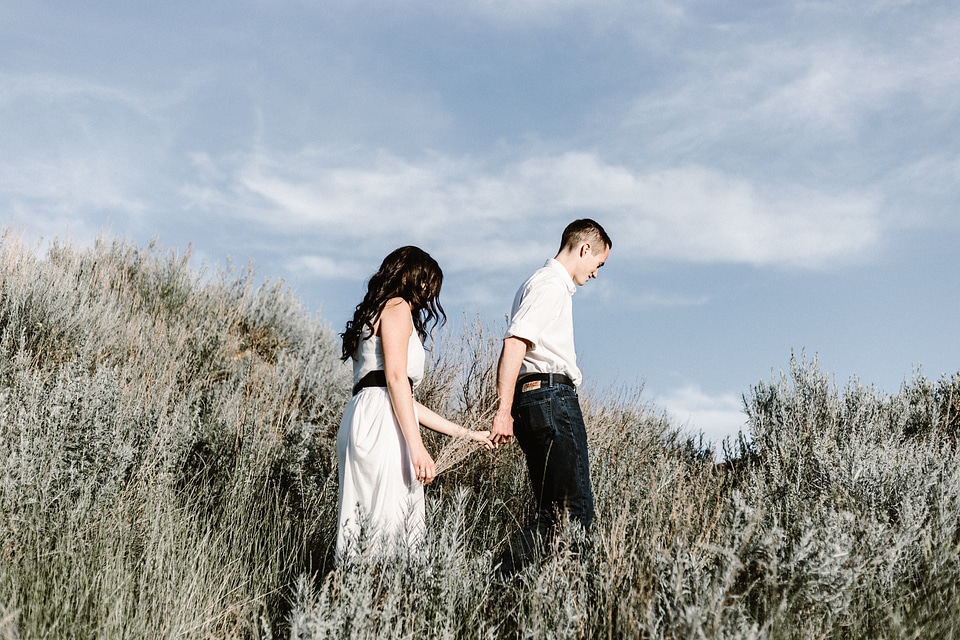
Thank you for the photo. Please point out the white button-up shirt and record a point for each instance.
(542, 315)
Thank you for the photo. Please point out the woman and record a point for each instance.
(383, 463)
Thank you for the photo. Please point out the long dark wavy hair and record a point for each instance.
(409, 273)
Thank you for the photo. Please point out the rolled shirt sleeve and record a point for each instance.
(542, 315)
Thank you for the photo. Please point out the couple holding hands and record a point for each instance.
(383, 464)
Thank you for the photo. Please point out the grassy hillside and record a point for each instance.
(167, 470)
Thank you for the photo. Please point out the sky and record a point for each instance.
(780, 179)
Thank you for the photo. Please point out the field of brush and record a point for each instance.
(167, 470)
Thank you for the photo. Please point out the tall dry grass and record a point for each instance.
(167, 470)
(164, 470)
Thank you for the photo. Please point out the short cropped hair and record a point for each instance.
(585, 230)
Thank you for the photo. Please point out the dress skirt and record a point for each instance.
(381, 503)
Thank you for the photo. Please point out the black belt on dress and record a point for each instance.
(550, 379)
(375, 378)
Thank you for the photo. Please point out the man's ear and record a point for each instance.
(584, 249)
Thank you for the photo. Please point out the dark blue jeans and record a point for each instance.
(548, 425)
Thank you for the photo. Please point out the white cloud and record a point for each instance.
(324, 268)
(661, 300)
(936, 173)
(788, 89)
(826, 89)
(691, 214)
(698, 214)
(756, 95)
(64, 92)
(669, 201)
(69, 184)
(78, 155)
(541, 14)
(715, 416)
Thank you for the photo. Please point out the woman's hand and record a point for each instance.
(423, 465)
(482, 437)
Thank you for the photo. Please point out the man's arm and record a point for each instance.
(508, 368)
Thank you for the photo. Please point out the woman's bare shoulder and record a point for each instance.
(393, 303)
(396, 313)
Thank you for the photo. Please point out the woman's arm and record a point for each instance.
(395, 328)
(435, 422)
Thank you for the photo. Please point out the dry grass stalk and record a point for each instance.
(455, 451)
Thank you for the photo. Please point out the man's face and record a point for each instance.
(589, 264)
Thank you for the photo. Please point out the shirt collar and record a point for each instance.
(554, 264)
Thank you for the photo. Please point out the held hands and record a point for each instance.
(502, 431)
(461, 444)
(481, 437)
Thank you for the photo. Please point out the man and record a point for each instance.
(537, 377)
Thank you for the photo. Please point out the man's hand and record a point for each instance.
(502, 431)
(508, 367)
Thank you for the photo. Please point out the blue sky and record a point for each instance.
(777, 177)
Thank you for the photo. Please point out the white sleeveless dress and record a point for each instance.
(379, 491)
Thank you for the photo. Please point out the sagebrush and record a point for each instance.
(167, 469)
